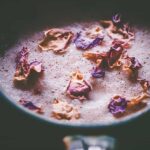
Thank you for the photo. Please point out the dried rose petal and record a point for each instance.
(117, 45)
(131, 66)
(56, 40)
(21, 72)
(118, 105)
(94, 56)
(22, 56)
(124, 44)
(84, 43)
(99, 58)
(134, 63)
(126, 31)
(101, 61)
(116, 19)
(36, 66)
(114, 53)
(96, 42)
(22, 65)
(64, 110)
(78, 87)
(108, 59)
(22, 60)
(97, 72)
(111, 29)
(144, 83)
(30, 106)
(105, 60)
(23, 68)
(117, 29)
(137, 100)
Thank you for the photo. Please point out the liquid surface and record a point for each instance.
(58, 69)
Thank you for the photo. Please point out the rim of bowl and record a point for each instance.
(44, 119)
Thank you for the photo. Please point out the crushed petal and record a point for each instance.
(57, 40)
(64, 110)
(78, 88)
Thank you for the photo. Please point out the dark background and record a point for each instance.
(19, 131)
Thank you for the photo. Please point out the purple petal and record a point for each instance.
(23, 67)
(135, 63)
(22, 55)
(116, 19)
(28, 104)
(98, 73)
(78, 87)
(79, 90)
(86, 43)
(117, 105)
(36, 66)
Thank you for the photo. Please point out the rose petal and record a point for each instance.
(106, 60)
(22, 56)
(137, 100)
(94, 56)
(117, 106)
(145, 84)
(64, 110)
(78, 87)
(97, 72)
(56, 39)
(117, 19)
(117, 29)
(89, 38)
(124, 44)
(131, 66)
(126, 31)
(114, 53)
(30, 106)
(22, 65)
(36, 66)
(23, 68)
